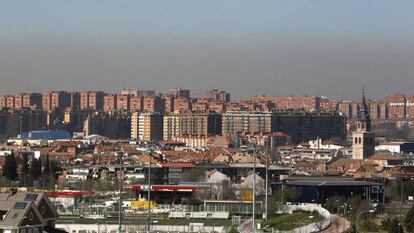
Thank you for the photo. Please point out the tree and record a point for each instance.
(286, 195)
(46, 168)
(233, 230)
(395, 226)
(385, 223)
(35, 169)
(409, 219)
(10, 167)
(25, 169)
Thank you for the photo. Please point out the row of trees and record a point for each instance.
(30, 171)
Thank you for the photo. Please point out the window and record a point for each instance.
(30, 197)
(20, 205)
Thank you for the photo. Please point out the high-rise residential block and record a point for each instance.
(136, 103)
(32, 100)
(55, 100)
(110, 102)
(191, 123)
(218, 95)
(76, 118)
(123, 102)
(397, 107)
(180, 93)
(3, 101)
(153, 104)
(182, 105)
(10, 102)
(114, 125)
(300, 126)
(93, 100)
(147, 126)
(410, 107)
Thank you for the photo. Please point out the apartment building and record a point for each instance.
(191, 123)
(93, 100)
(397, 107)
(147, 126)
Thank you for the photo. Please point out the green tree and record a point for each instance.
(35, 169)
(395, 226)
(46, 167)
(286, 195)
(233, 230)
(25, 169)
(409, 219)
(385, 223)
(10, 167)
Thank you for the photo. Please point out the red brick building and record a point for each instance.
(93, 100)
(55, 100)
(136, 103)
(109, 103)
(410, 107)
(153, 104)
(123, 102)
(397, 107)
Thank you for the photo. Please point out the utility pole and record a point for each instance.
(120, 154)
(149, 194)
(267, 177)
(254, 190)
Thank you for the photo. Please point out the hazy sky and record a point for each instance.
(314, 47)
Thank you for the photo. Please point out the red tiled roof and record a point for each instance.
(177, 164)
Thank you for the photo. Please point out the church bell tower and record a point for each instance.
(363, 140)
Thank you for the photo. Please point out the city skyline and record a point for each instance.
(245, 48)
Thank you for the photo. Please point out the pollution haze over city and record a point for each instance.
(326, 48)
(206, 116)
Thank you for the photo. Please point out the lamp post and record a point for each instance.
(267, 144)
(149, 193)
(120, 154)
(356, 220)
(254, 190)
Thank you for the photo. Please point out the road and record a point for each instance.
(338, 224)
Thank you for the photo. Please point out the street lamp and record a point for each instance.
(356, 220)
(254, 189)
(120, 154)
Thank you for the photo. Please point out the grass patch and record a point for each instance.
(286, 222)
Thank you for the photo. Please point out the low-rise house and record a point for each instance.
(26, 212)
(216, 177)
(386, 159)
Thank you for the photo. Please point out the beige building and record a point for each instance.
(234, 122)
(191, 123)
(147, 126)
